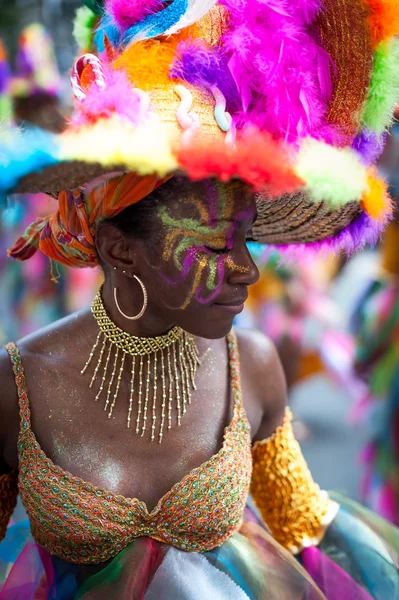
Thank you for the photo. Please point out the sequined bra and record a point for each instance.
(85, 524)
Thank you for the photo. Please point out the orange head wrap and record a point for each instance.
(67, 236)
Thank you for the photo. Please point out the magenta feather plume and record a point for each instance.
(126, 13)
(283, 75)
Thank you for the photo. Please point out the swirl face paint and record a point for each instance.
(200, 245)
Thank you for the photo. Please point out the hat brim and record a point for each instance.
(291, 219)
(295, 219)
(63, 176)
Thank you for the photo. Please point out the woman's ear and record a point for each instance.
(114, 248)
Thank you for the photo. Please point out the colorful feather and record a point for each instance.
(205, 68)
(126, 13)
(152, 25)
(83, 28)
(116, 97)
(285, 83)
(376, 201)
(369, 146)
(354, 237)
(148, 64)
(383, 20)
(383, 94)
(195, 11)
(333, 175)
(142, 149)
(273, 173)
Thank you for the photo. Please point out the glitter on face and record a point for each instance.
(204, 244)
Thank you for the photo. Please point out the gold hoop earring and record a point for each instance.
(145, 303)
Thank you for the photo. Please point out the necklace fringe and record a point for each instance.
(175, 355)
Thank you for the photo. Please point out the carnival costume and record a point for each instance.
(293, 99)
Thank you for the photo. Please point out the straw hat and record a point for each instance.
(294, 98)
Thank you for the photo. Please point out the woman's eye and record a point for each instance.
(218, 250)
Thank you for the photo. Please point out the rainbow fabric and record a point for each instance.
(352, 562)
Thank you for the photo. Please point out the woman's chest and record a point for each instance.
(75, 434)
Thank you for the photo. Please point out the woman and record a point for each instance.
(182, 120)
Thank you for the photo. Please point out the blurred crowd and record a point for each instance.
(325, 315)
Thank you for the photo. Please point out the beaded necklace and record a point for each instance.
(176, 353)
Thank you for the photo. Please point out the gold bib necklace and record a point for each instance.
(175, 352)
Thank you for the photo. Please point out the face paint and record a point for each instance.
(195, 244)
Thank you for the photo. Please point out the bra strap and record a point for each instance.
(234, 360)
(20, 381)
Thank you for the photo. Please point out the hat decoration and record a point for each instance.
(294, 98)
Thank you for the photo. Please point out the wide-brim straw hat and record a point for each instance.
(294, 98)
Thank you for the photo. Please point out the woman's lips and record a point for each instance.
(233, 307)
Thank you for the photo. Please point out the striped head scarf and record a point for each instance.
(67, 235)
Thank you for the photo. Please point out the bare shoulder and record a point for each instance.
(263, 381)
(53, 338)
(40, 353)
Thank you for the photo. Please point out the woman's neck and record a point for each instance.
(151, 324)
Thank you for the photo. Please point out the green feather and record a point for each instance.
(383, 94)
(83, 27)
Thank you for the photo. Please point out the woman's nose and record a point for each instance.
(242, 269)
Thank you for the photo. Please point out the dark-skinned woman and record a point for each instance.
(135, 430)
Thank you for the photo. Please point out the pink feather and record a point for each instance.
(126, 13)
(116, 97)
(283, 75)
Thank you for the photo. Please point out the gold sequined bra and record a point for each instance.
(82, 523)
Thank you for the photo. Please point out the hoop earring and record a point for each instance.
(136, 317)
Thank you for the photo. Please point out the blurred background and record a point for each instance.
(335, 321)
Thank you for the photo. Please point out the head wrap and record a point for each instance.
(67, 236)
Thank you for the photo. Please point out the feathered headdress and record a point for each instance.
(294, 98)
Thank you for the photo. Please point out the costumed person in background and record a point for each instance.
(198, 127)
(376, 326)
(36, 86)
(33, 96)
(290, 303)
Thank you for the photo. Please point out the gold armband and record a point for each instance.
(8, 499)
(292, 505)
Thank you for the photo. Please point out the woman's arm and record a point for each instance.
(9, 427)
(292, 505)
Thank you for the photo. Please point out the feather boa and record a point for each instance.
(116, 98)
(361, 232)
(383, 19)
(383, 94)
(273, 173)
(125, 13)
(152, 25)
(195, 11)
(284, 84)
(333, 175)
(83, 27)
